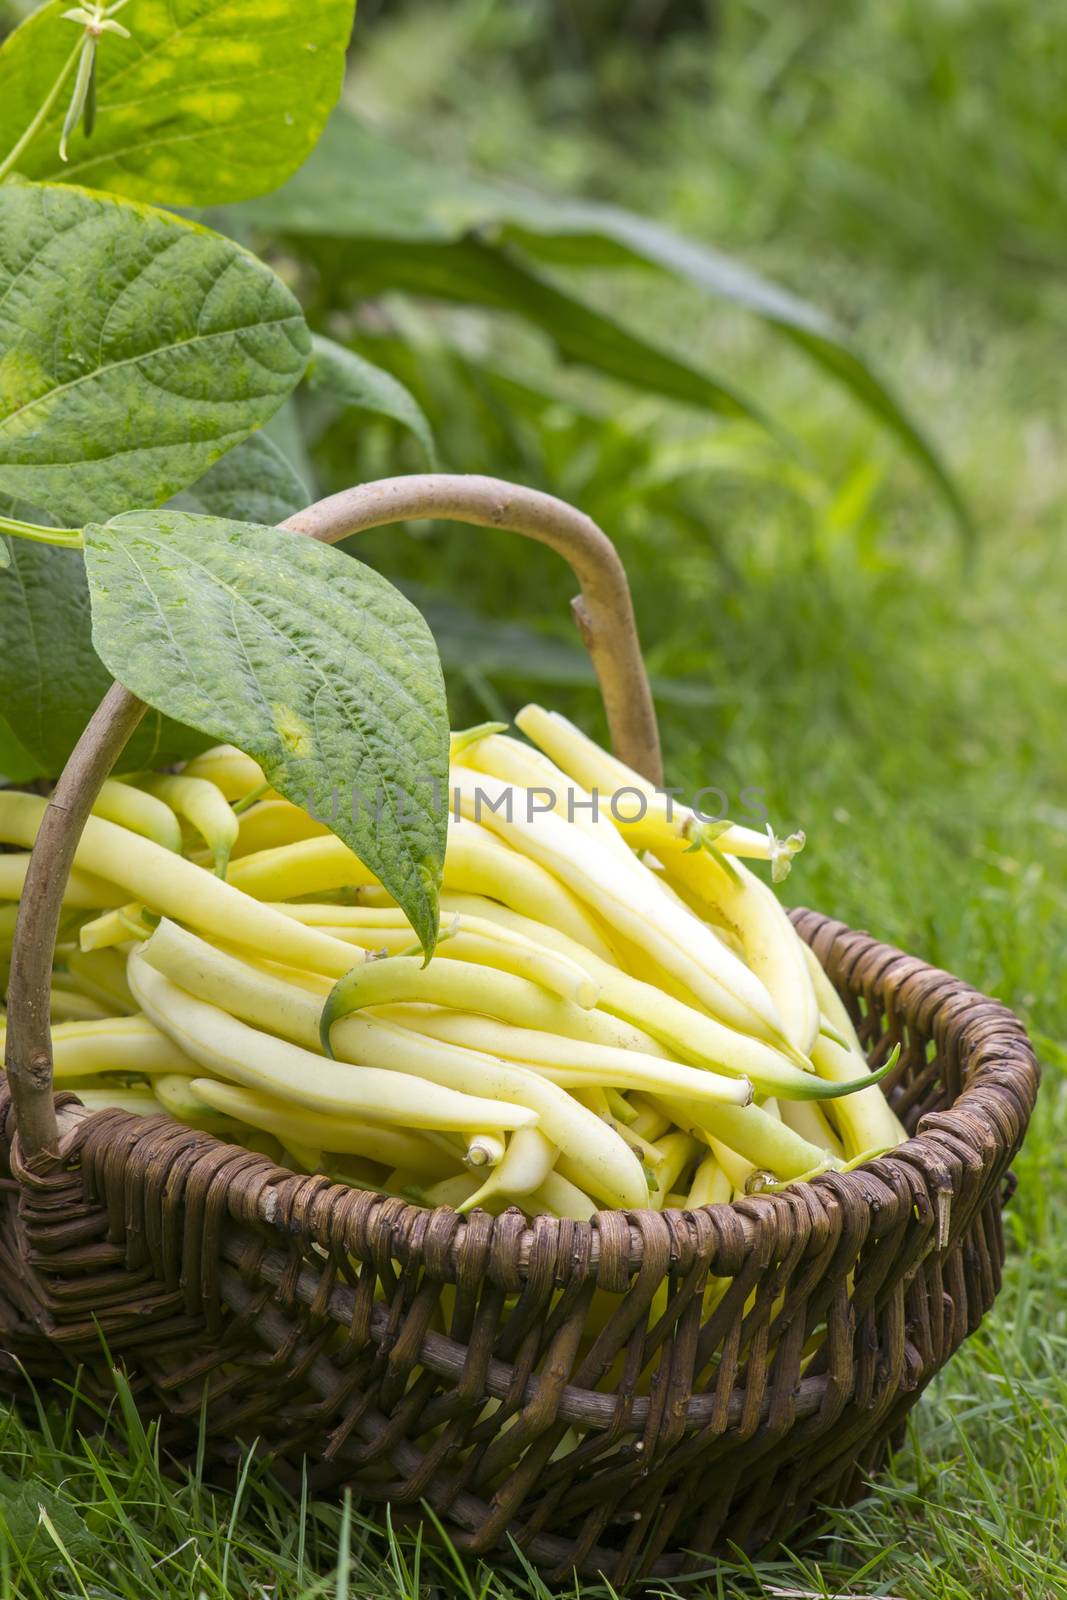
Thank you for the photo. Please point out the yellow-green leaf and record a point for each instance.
(207, 101)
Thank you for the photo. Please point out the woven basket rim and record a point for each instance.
(978, 1130)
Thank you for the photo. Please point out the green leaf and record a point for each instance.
(24, 1505)
(304, 658)
(475, 273)
(477, 648)
(51, 679)
(16, 764)
(208, 101)
(252, 483)
(135, 348)
(362, 188)
(348, 377)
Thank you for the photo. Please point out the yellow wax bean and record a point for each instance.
(316, 865)
(463, 942)
(677, 1151)
(119, 1097)
(528, 769)
(650, 1122)
(474, 862)
(528, 1160)
(101, 974)
(612, 1172)
(831, 1004)
(457, 1191)
(661, 818)
(70, 1005)
(111, 928)
(354, 919)
(571, 1063)
(866, 1120)
(177, 1096)
(628, 898)
(560, 1198)
(143, 813)
(772, 947)
(236, 774)
(467, 988)
(84, 891)
(390, 1147)
(205, 807)
(736, 1168)
(387, 928)
(687, 1033)
(241, 1054)
(270, 823)
(807, 1119)
(485, 1149)
(758, 1137)
(710, 1185)
(171, 885)
(130, 1045)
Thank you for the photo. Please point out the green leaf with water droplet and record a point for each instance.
(303, 657)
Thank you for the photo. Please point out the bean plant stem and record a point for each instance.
(69, 538)
(604, 610)
(10, 161)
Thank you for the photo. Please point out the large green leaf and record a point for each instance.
(345, 376)
(252, 483)
(302, 656)
(135, 348)
(51, 679)
(207, 101)
(361, 187)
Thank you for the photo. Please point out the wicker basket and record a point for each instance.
(557, 1384)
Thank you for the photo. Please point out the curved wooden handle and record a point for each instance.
(605, 617)
(604, 609)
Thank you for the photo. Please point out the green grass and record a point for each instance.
(818, 635)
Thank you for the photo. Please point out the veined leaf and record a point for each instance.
(361, 187)
(304, 658)
(207, 101)
(135, 348)
(252, 483)
(354, 381)
(51, 679)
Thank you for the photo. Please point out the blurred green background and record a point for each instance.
(814, 622)
(811, 621)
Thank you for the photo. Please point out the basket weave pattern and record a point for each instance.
(561, 1384)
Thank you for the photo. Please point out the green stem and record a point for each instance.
(53, 95)
(70, 538)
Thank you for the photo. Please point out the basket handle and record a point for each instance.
(604, 612)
